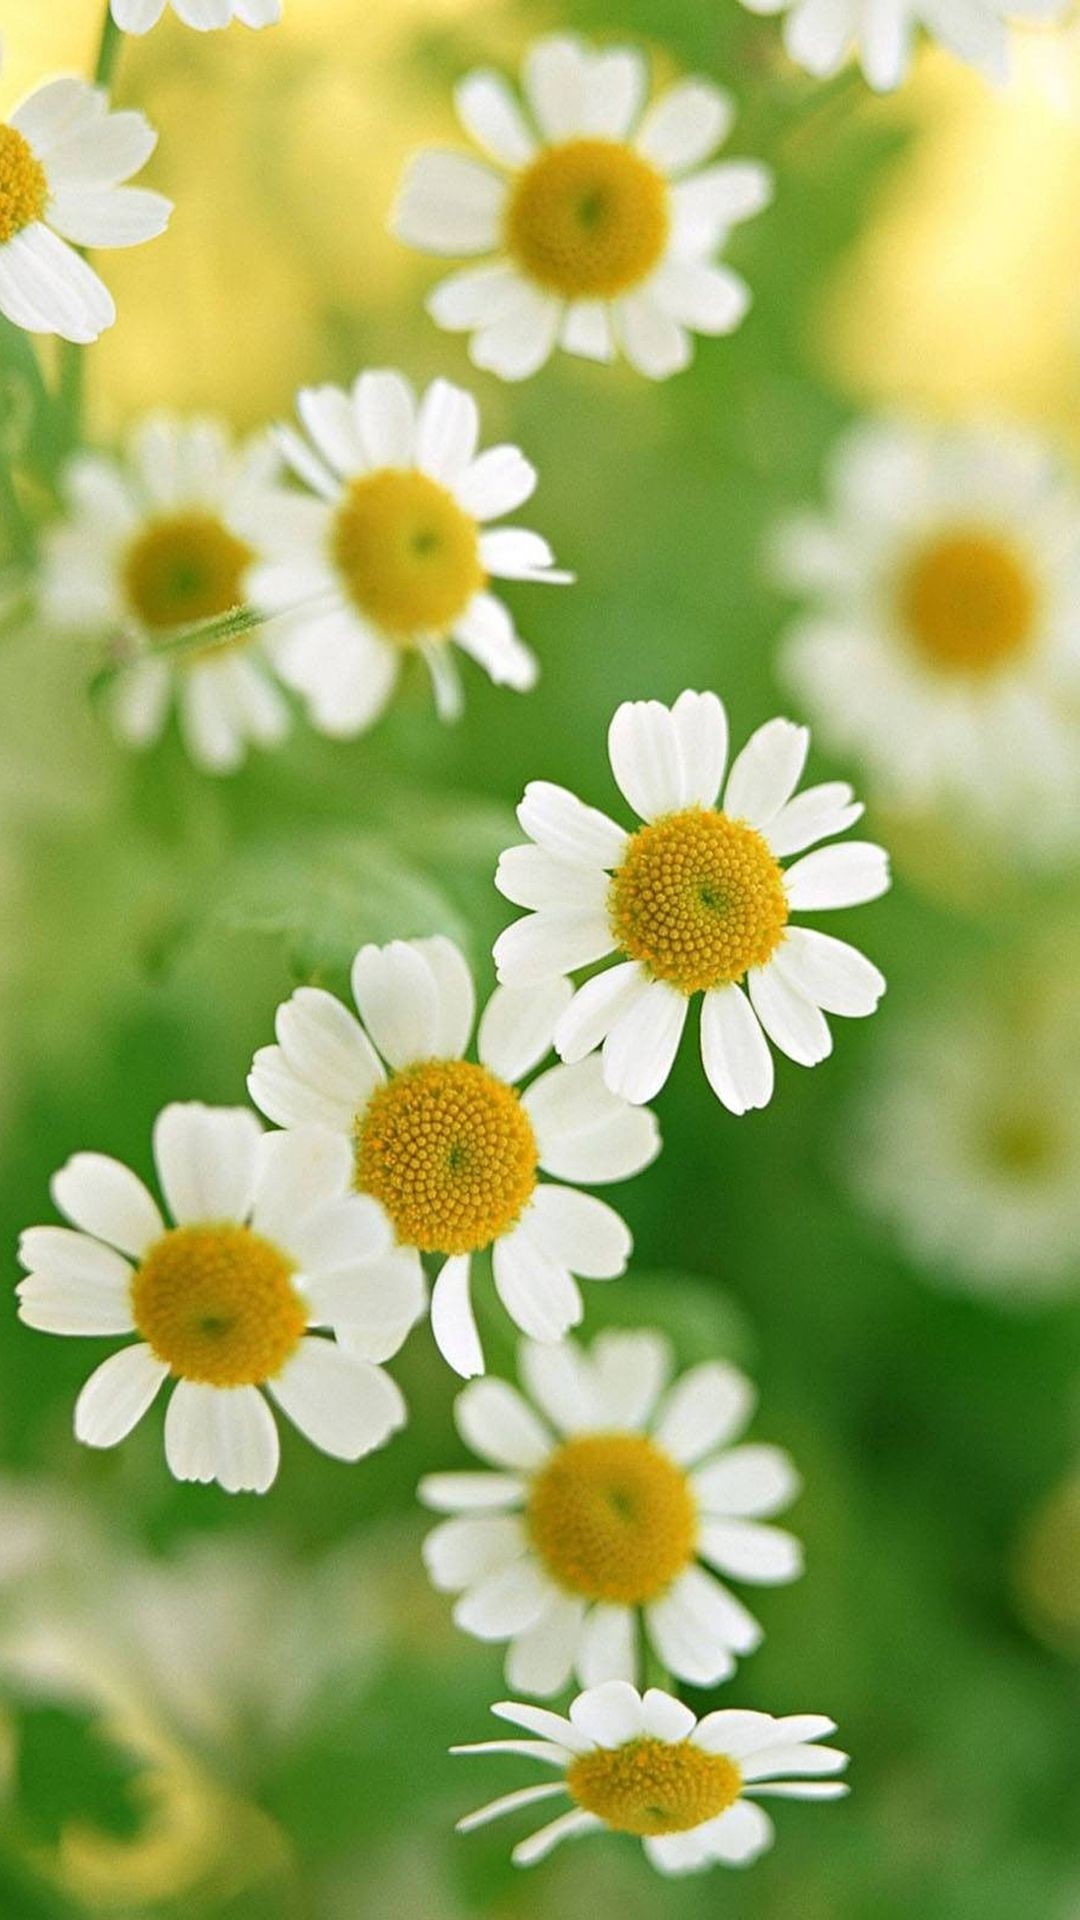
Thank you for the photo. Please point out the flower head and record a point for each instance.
(138, 16)
(822, 38)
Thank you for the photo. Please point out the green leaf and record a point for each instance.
(69, 1768)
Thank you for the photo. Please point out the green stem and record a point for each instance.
(72, 358)
(112, 40)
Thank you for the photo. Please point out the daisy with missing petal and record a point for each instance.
(450, 1147)
(608, 1494)
(138, 16)
(644, 1764)
(267, 1242)
(151, 543)
(600, 215)
(695, 901)
(390, 552)
(821, 35)
(63, 159)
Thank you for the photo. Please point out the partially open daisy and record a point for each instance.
(450, 1147)
(695, 901)
(822, 35)
(266, 1243)
(138, 16)
(63, 159)
(644, 1764)
(608, 1494)
(602, 218)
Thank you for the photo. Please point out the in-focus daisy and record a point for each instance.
(138, 16)
(151, 543)
(644, 1764)
(695, 901)
(607, 1496)
(450, 1147)
(266, 1243)
(821, 35)
(63, 159)
(942, 638)
(391, 553)
(602, 219)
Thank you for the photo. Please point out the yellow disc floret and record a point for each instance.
(450, 1152)
(653, 1786)
(968, 603)
(612, 1518)
(184, 567)
(217, 1304)
(588, 219)
(24, 190)
(409, 555)
(698, 899)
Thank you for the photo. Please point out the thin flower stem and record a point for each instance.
(72, 359)
(112, 39)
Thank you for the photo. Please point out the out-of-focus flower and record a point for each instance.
(448, 1146)
(601, 215)
(394, 555)
(644, 1764)
(821, 35)
(1046, 1568)
(579, 1531)
(695, 902)
(138, 16)
(63, 159)
(268, 1242)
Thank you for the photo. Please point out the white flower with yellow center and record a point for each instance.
(601, 216)
(821, 35)
(151, 543)
(390, 552)
(644, 1764)
(450, 1147)
(695, 901)
(607, 1496)
(942, 637)
(138, 16)
(63, 159)
(267, 1242)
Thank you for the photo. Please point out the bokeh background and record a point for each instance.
(230, 1707)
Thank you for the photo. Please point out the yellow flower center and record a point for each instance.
(184, 567)
(450, 1152)
(588, 219)
(651, 1786)
(612, 1518)
(968, 603)
(217, 1304)
(698, 899)
(24, 190)
(409, 555)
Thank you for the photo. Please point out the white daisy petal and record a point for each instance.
(496, 1423)
(330, 418)
(554, 78)
(455, 994)
(460, 1552)
(117, 1395)
(485, 631)
(654, 342)
(569, 830)
(531, 877)
(385, 408)
(506, 1603)
(517, 1027)
(765, 774)
(75, 1305)
(818, 813)
(325, 1045)
(498, 481)
(697, 1625)
(587, 331)
(579, 1232)
(734, 1052)
(102, 151)
(344, 1405)
(646, 758)
(609, 1715)
(752, 1482)
(614, 91)
(541, 1659)
(533, 950)
(710, 203)
(640, 1047)
(513, 553)
(797, 1758)
(706, 1407)
(597, 1006)
(540, 1295)
(55, 110)
(685, 126)
(46, 287)
(841, 876)
(559, 1379)
(477, 296)
(507, 1803)
(207, 1161)
(489, 112)
(524, 1749)
(108, 216)
(225, 1434)
(739, 1835)
(470, 1492)
(447, 431)
(106, 1199)
(666, 1718)
(568, 1826)
(735, 1731)
(708, 299)
(608, 1647)
(540, 1720)
(522, 339)
(701, 729)
(453, 1323)
(745, 1551)
(396, 993)
(373, 1306)
(60, 1253)
(283, 1097)
(585, 1133)
(791, 1021)
(630, 1371)
(799, 1789)
(449, 204)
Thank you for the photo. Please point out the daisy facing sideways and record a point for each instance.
(64, 157)
(598, 217)
(267, 1243)
(821, 35)
(389, 551)
(644, 1764)
(694, 901)
(138, 16)
(608, 1492)
(450, 1147)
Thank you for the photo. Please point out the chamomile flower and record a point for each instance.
(941, 642)
(63, 159)
(151, 543)
(821, 35)
(600, 216)
(138, 16)
(450, 1147)
(644, 1764)
(390, 552)
(266, 1243)
(694, 901)
(608, 1494)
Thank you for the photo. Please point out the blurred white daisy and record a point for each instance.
(821, 35)
(138, 16)
(267, 1242)
(644, 1764)
(942, 640)
(449, 1146)
(63, 158)
(150, 543)
(607, 1495)
(391, 553)
(601, 215)
(695, 901)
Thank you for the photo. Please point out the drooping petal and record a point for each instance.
(734, 1051)
(453, 1322)
(225, 1434)
(116, 1396)
(608, 1649)
(579, 1232)
(830, 973)
(541, 1659)
(342, 1404)
(640, 1048)
(540, 1295)
(792, 1022)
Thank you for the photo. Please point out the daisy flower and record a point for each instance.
(821, 35)
(694, 901)
(644, 1764)
(151, 543)
(600, 215)
(390, 552)
(63, 157)
(266, 1242)
(607, 1494)
(138, 16)
(941, 640)
(450, 1147)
